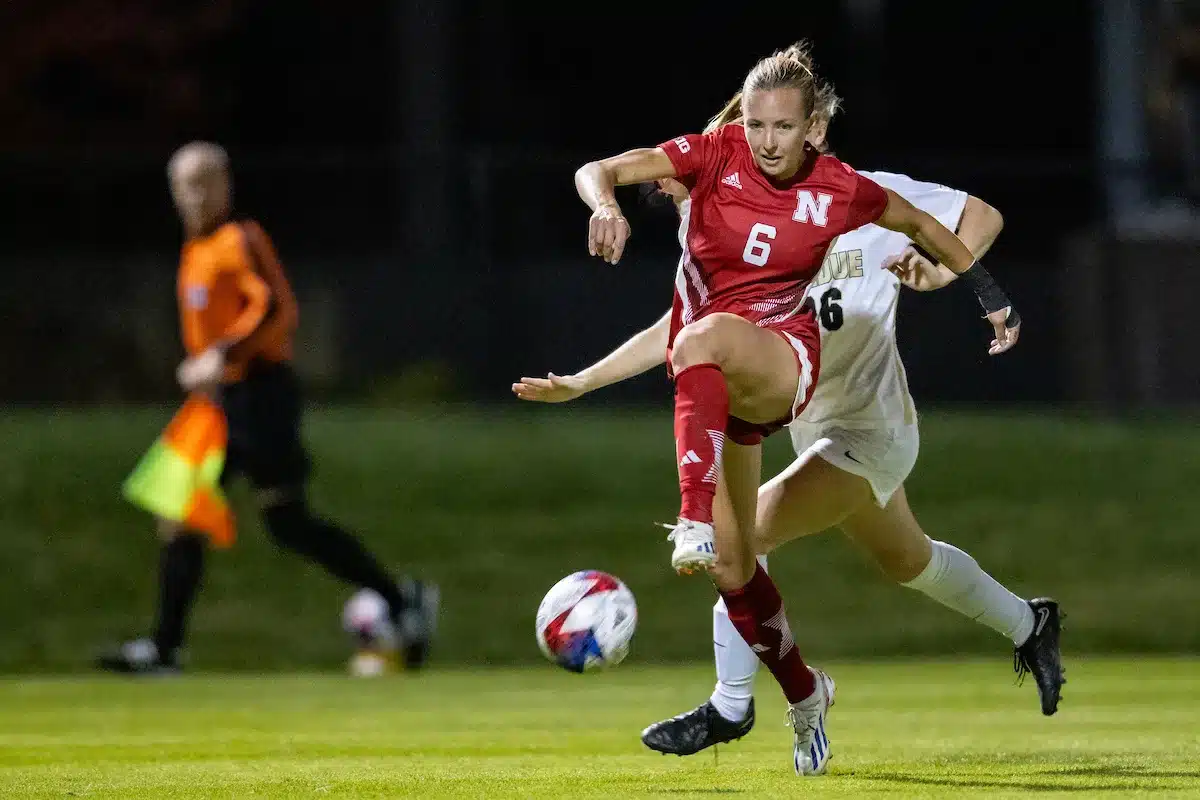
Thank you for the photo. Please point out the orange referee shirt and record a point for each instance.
(232, 292)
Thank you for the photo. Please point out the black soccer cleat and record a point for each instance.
(1040, 654)
(138, 657)
(416, 623)
(696, 730)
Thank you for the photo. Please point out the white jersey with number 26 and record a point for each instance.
(862, 380)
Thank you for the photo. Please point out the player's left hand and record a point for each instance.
(201, 372)
(917, 272)
(550, 389)
(1007, 325)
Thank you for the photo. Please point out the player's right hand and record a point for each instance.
(550, 389)
(608, 231)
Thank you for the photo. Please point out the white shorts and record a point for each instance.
(883, 455)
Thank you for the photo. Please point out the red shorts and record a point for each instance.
(803, 335)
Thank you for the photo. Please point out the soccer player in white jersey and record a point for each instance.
(856, 442)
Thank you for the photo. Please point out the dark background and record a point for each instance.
(413, 162)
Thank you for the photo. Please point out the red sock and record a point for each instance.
(701, 411)
(756, 610)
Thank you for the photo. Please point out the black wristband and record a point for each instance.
(990, 295)
(923, 253)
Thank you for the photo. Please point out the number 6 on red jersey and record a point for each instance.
(758, 251)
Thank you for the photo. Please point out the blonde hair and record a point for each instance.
(792, 68)
(828, 103)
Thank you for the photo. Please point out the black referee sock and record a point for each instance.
(341, 554)
(181, 564)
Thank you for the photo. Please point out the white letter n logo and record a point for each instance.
(810, 210)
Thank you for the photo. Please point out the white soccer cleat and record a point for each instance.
(810, 748)
(695, 547)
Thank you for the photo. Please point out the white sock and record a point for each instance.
(955, 580)
(736, 665)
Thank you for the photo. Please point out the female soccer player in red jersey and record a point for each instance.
(742, 347)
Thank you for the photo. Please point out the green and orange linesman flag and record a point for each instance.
(179, 476)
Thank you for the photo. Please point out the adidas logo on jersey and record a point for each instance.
(689, 457)
(732, 180)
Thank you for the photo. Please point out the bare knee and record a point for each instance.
(732, 570)
(763, 539)
(770, 495)
(701, 342)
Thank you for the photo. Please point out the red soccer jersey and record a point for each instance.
(752, 245)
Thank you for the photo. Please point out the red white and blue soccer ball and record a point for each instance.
(586, 621)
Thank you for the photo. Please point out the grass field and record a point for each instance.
(901, 729)
(501, 504)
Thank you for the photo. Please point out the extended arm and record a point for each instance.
(643, 351)
(929, 234)
(978, 228)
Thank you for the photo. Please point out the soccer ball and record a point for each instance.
(586, 621)
(367, 619)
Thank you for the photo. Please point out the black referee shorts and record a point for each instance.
(263, 412)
